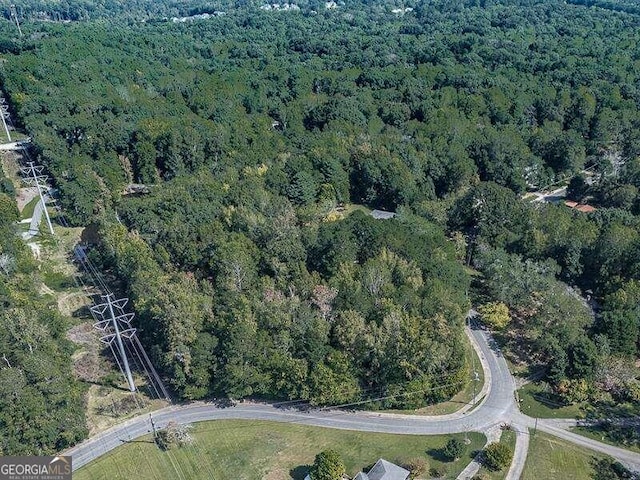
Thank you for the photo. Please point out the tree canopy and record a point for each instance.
(262, 136)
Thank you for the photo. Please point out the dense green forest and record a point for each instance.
(252, 129)
(41, 404)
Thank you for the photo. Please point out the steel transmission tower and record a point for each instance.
(4, 113)
(34, 177)
(14, 15)
(116, 324)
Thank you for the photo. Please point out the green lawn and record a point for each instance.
(349, 208)
(240, 449)
(536, 402)
(508, 437)
(550, 458)
(27, 211)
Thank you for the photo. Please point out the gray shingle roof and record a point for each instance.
(382, 215)
(361, 476)
(384, 470)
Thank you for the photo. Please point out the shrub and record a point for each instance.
(497, 456)
(437, 472)
(417, 466)
(495, 314)
(327, 466)
(453, 449)
(173, 435)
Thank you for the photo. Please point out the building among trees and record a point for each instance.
(384, 470)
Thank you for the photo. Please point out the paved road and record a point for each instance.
(519, 454)
(498, 407)
(19, 145)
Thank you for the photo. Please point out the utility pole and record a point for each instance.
(116, 327)
(475, 383)
(4, 112)
(153, 426)
(34, 177)
(14, 14)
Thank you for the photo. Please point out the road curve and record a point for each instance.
(497, 407)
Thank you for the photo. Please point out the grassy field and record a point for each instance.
(508, 437)
(341, 213)
(349, 208)
(27, 211)
(536, 402)
(251, 450)
(550, 458)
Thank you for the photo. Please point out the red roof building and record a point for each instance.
(584, 208)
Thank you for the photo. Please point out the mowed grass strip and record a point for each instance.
(550, 458)
(29, 208)
(250, 450)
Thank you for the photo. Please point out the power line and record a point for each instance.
(111, 327)
(4, 113)
(115, 328)
(34, 176)
(14, 15)
(157, 378)
(109, 317)
(134, 355)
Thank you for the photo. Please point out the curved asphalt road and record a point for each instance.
(498, 407)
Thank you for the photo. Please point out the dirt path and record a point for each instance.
(24, 196)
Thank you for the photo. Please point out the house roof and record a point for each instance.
(361, 476)
(382, 214)
(584, 208)
(384, 470)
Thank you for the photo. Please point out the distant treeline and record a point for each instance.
(617, 5)
(254, 129)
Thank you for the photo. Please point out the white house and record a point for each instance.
(384, 470)
(382, 214)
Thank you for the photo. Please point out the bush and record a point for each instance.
(6, 186)
(8, 210)
(327, 466)
(495, 315)
(573, 391)
(606, 469)
(437, 472)
(174, 435)
(497, 456)
(417, 466)
(453, 449)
